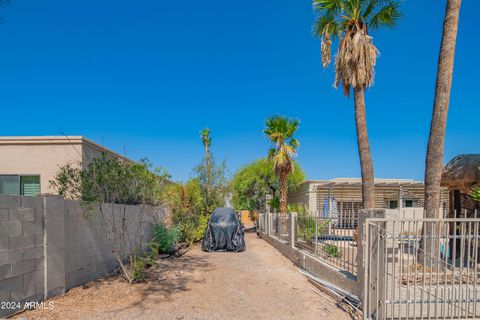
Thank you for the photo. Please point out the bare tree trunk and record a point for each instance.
(436, 140)
(283, 194)
(366, 163)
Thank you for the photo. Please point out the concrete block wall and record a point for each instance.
(21, 250)
(48, 245)
(88, 249)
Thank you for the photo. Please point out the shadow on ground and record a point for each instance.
(167, 277)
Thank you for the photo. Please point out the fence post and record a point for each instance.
(316, 235)
(278, 231)
(362, 259)
(291, 235)
(267, 223)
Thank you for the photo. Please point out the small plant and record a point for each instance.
(137, 269)
(332, 250)
(165, 238)
(300, 209)
(306, 223)
(475, 193)
(308, 234)
(139, 264)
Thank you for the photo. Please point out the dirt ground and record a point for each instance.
(256, 284)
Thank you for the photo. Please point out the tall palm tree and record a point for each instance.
(280, 131)
(436, 140)
(350, 21)
(207, 141)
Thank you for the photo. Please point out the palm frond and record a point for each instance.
(294, 143)
(271, 153)
(327, 5)
(368, 7)
(355, 61)
(350, 7)
(280, 130)
(292, 127)
(386, 16)
(327, 28)
(326, 24)
(205, 136)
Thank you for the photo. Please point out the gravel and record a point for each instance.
(256, 284)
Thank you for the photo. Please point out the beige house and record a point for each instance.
(27, 164)
(395, 194)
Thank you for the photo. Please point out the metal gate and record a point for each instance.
(421, 268)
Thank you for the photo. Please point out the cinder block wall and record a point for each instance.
(21, 250)
(48, 245)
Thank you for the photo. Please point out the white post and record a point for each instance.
(291, 237)
(268, 222)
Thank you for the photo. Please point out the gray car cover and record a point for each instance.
(224, 232)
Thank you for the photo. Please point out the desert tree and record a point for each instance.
(252, 182)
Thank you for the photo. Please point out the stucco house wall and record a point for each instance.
(44, 156)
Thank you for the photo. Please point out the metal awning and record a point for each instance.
(355, 182)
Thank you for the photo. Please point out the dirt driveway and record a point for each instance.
(256, 284)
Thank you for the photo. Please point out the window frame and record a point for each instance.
(19, 179)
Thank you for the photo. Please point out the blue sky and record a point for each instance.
(145, 76)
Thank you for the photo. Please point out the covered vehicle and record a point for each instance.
(224, 232)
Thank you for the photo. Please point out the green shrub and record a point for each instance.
(164, 238)
(193, 229)
(306, 227)
(332, 250)
(300, 209)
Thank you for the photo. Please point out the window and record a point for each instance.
(19, 185)
(29, 185)
(9, 184)
(393, 204)
(408, 203)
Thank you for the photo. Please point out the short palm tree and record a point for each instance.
(350, 21)
(280, 131)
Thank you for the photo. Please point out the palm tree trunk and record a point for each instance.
(283, 194)
(436, 140)
(208, 172)
(366, 163)
(207, 163)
